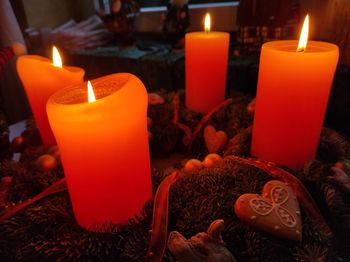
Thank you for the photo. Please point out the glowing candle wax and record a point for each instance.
(41, 78)
(206, 67)
(104, 148)
(292, 96)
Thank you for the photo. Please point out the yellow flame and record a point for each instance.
(304, 35)
(56, 58)
(91, 95)
(207, 23)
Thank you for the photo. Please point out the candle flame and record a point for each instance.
(56, 58)
(304, 35)
(91, 95)
(207, 23)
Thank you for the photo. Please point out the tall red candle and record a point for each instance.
(41, 78)
(206, 68)
(104, 148)
(292, 96)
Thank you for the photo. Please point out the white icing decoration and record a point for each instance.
(278, 196)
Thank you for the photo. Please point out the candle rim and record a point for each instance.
(210, 34)
(289, 46)
(42, 59)
(80, 90)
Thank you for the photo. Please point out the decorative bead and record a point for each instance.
(192, 165)
(18, 144)
(46, 162)
(212, 160)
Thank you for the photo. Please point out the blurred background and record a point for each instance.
(108, 36)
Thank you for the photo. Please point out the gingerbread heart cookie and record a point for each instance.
(276, 211)
(214, 140)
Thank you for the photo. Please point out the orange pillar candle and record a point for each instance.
(41, 78)
(292, 96)
(104, 148)
(206, 68)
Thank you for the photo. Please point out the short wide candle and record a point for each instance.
(292, 96)
(206, 69)
(104, 148)
(41, 79)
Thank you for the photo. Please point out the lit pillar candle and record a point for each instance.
(104, 148)
(206, 68)
(41, 78)
(293, 89)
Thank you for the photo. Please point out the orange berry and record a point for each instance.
(192, 164)
(212, 160)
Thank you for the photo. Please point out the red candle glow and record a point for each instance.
(42, 77)
(293, 89)
(206, 67)
(104, 147)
